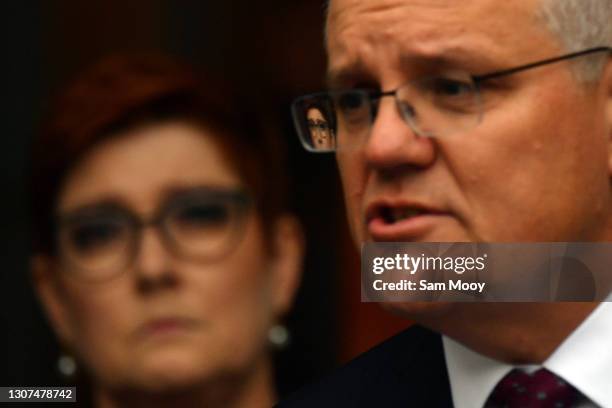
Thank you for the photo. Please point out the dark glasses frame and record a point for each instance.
(239, 199)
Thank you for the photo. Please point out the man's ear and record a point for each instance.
(287, 254)
(47, 287)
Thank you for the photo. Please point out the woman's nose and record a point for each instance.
(153, 263)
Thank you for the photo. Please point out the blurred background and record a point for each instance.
(273, 46)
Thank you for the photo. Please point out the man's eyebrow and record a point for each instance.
(452, 56)
(445, 60)
(416, 64)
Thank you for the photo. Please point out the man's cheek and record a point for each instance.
(353, 204)
(356, 225)
(353, 185)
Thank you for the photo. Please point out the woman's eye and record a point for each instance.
(203, 214)
(94, 236)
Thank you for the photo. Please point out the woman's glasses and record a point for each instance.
(98, 242)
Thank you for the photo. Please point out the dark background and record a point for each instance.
(277, 46)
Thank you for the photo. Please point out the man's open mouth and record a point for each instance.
(400, 222)
(392, 215)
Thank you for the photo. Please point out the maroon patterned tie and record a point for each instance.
(541, 389)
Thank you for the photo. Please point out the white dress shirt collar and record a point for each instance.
(584, 360)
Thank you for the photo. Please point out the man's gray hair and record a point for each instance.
(581, 24)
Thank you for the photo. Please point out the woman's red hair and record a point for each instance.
(121, 92)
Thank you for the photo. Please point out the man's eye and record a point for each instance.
(450, 87)
(349, 101)
(450, 95)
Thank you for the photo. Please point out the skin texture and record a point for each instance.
(537, 168)
(221, 357)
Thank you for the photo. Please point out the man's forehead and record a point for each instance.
(338, 8)
(469, 15)
(428, 27)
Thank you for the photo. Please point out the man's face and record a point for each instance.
(534, 169)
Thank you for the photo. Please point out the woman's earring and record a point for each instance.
(67, 366)
(279, 336)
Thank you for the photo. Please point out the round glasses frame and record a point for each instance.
(237, 202)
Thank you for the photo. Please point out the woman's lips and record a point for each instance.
(167, 326)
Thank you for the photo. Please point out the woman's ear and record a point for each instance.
(47, 287)
(287, 254)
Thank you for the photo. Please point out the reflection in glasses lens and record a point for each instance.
(319, 130)
(100, 241)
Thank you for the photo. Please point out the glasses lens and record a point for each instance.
(205, 225)
(439, 106)
(354, 109)
(314, 118)
(97, 245)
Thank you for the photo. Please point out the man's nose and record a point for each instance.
(393, 144)
(153, 263)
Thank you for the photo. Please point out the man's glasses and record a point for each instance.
(100, 241)
(436, 106)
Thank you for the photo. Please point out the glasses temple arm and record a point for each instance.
(509, 71)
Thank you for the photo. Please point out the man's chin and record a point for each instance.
(420, 312)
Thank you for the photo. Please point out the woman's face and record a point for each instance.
(166, 320)
(320, 131)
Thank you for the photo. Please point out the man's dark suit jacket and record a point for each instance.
(408, 370)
